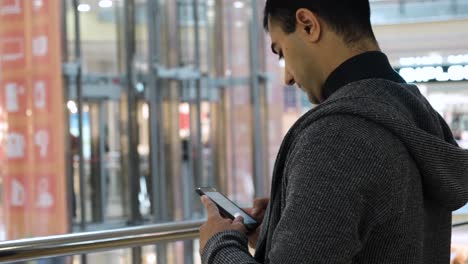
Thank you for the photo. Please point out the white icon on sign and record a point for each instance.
(40, 94)
(12, 90)
(44, 197)
(12, 49)
(10, 7)
(15, 146)
(38, 4)
(42, 140)
(18, 194)
(40, 46)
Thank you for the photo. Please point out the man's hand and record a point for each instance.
(216, 223)
(258, 213)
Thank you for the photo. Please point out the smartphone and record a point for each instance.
(227, 207)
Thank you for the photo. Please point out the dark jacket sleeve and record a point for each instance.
(227, 247)
(340, 182)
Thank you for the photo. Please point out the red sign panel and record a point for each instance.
(13, 96)
(12, 50)
(32, 160)
(12, 10)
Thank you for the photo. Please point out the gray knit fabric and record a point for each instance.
(372, 175)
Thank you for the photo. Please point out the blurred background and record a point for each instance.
(113, 111)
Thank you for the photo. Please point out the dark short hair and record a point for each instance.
(348, 18)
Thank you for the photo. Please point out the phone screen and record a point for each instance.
(230, 207)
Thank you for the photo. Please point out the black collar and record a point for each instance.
(368, 65)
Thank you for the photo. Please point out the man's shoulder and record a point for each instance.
(344, 124)
(376, 88)
(337, 146)
(347, 130)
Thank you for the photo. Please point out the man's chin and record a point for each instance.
(312, 99)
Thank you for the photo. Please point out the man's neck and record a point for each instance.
(338, 53)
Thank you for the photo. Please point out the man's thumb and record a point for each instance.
(238, 220)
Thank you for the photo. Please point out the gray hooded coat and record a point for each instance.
(372, 175)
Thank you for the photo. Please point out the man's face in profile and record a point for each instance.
(299, 61)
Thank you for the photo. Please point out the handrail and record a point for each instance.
(460, 224)
(72, 244)
(88, 242)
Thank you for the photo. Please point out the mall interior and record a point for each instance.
(112, 112)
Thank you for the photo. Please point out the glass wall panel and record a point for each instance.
(239, 108)
(101, 83)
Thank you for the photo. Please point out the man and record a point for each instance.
(371, 175)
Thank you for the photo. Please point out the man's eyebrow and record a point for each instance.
(273, 48)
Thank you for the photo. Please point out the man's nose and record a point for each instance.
(288, 78)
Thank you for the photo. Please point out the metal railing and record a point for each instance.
(460, 224)
(89, 242)
(79, 243)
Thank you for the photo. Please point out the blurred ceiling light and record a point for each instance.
(140, 87)
(425, 74)
(38, 4)
(84, 8)
(456, 59)
(72, 107)
(105, 3)
(239, 4)
(184, 133)
(151, 258)
(424, 60)
(210, 2)
(210, 14)
(184, 108)
(145, 111)
(239, 24)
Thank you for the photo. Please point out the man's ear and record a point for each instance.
(308, 22)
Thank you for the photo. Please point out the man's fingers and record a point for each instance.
(259, 206)
(248, 210)
(261, 203)
(211, 208)
(239, 223)
(238, 220)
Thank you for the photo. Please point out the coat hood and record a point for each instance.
(402, 109)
